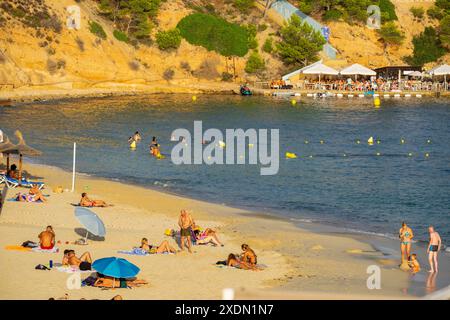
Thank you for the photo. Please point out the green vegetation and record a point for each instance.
(300, 44)
(351, 11)
(435, 13)
(244, 5)
(132, 17)
(268, 45)
(417, 12)
(227, 77)
(97, 30)
(444, 31)
(427, 48)
(121, 36)
(251, 36)
(170, 39)
(255, 63)
(214, 33)
(390, 34)
(387, 9)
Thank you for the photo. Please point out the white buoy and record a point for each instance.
(350, 95)
(407, 95)
(376, 95)
(361, 95)
(309, 95)
(397, 95)
(386, 96)
(297, 94)
(339, 95)
(418, 95)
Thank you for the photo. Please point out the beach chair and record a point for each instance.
(13, 183)
(2, 178)
(10, 182)
(28, 184)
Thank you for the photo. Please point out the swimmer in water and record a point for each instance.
(137, 136)
(153, 145)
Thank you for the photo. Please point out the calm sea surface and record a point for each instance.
(344, 183)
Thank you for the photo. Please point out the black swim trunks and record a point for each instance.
(85, 266)
(186, 232)
(434, 248)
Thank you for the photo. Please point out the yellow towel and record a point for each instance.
(17, 248)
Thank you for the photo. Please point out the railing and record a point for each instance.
(286, 10)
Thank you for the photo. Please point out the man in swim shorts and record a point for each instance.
(434, 246)
(84, 262)
(185, 222)
(47, 238)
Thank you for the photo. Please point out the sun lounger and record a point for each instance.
(13, 183)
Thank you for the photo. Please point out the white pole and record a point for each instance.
(73, 168)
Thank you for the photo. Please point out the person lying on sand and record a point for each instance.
(86, 202)
(30, 197)
(248, 255)
(47, 238)
(414, 263)
(164, 247)
(84, 262)
(233, 261)
(207, 233)
(203, 238)
(110, 282)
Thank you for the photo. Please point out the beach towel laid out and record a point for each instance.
(135, 251)
(15, 200)
(16, 248)
(38, 249)
(70, 269)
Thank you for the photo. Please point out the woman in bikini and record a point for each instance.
(86, 202)
(164, 247)
(405, 234)
(233, 261)
(248, 255)
(33, 195)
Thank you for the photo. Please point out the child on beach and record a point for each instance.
(414, 263)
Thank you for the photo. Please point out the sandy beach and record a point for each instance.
(298, 261)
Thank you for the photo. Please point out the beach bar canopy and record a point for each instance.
(357, 70)
(317, 68)
(442, 70)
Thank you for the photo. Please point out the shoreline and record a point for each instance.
(298, 259)
(33, 94)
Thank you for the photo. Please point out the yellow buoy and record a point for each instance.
(290, 155)
(370, 141)
(194, 98)
(293, 102)
(377, 102)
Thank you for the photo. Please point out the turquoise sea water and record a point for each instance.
(343, 183)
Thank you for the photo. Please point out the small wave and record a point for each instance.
(301, 220)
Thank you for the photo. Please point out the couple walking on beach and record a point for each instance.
(434, 246)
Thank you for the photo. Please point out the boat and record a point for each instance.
(245, 91)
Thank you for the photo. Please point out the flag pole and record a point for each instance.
(73, 168)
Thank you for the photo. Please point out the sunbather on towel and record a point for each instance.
(47, 238)
(164, 247)
(86, 202)
(110, 282)
(84, 262)
(22, 197)
(248, 255)
(233, 261)
(204, 238)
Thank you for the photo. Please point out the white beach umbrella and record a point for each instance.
(442, 70)
(357, 70)
(319, 69)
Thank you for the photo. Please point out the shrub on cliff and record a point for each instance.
(255, 63)
(427, 48)
(170, 39)
(96, 29)
(214, 33)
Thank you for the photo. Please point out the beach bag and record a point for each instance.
(41, 267)
(29, 244)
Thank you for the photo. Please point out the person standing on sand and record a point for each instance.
(405, 234)
(185, 222)
(434, 246)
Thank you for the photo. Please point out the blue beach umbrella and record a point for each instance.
(90, 221)
(115, 267)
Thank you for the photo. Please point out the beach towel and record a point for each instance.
(16, 248)
(135, 251)
(70, 269)
(38, 249)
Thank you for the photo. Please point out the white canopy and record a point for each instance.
(357, 69)
(414, 74)
(440, 70)
(319, 69)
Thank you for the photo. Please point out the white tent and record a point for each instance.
(298, 71)
(414, 74)
(320, 69)
(356, 70)
(442, 70)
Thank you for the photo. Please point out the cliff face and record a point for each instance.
(55, 56)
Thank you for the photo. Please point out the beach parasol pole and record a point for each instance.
(73, 167)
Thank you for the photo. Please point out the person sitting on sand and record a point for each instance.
(84, 262)
(164, 247)
(233, 261)
(248, 255)
(110, 282)
(47, 238)
(86, 202)
(414, 263)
